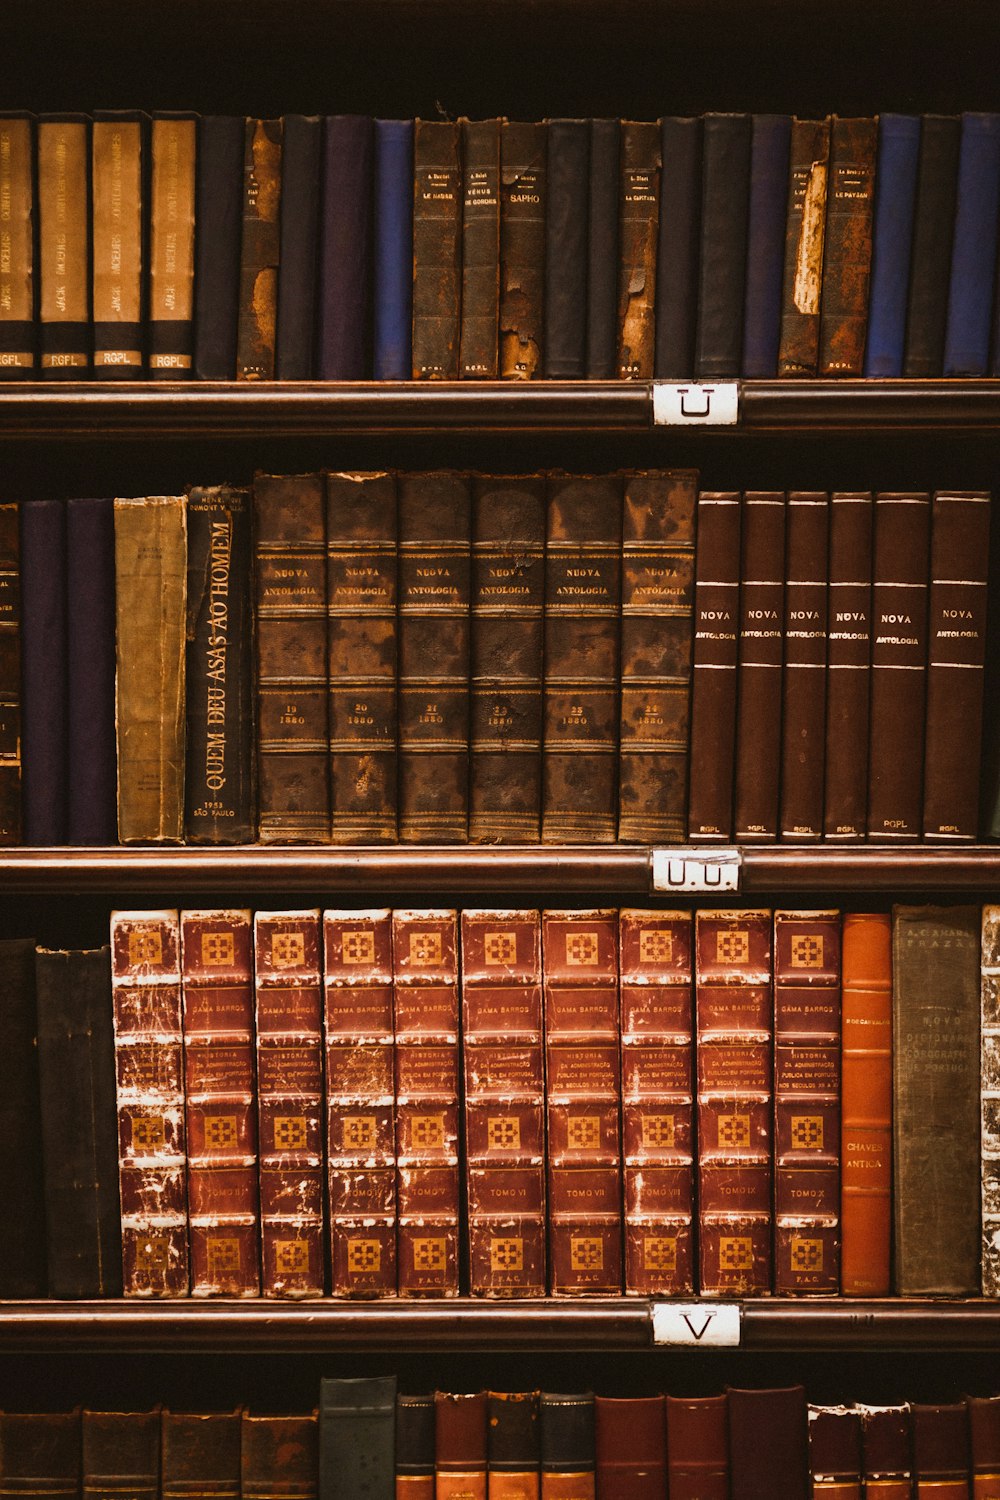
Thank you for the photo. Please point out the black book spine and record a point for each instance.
(930, 263)
(566, 249)
(22, 1233)
(677, 252)
(415, 1445)
(343, 347)
(602, 250)
(219, 217)
(725, 208)
(357, 1437)
(43, 671)
(567, 1436)
(92, 769)
(513, 1440)
(18, 247)
(302, 142)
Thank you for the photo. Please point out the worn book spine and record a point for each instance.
(10, 675)
(734, 1019)
(22, 1234)
(121, 1451)
(714, 663)
(279, 1457)
(435, 525)
(637, 244)
(583, 1101)
(291, 619)
(835, 1452)
(219, 766)
(415, 1447)
(974, 246)
(425, 982)
(892, 242)
(989, 1097)
(885, 1451)
(568, 1462)
(722, 269)
(847, 248)
(223, 1199)
(119, 142)
(679, 246)
(984, 1445)
(513, 1445)
(18, 234)
(805, 229)
(150, 598)
(343, 344)
(930, 260)
(360, 1101)
(631, 1447)
(200, 1455)
(260, 249)
(504, 1092)
(768, 1443)
(460, 1446)
(507, 608)
(866, 1106)
(582, 631)
(697, 1448)
(566, 249)
(523, 196)
(848, 668)
(356, 1436)
(44, 695)
(173, 178)
(437, 249)
(392, 232)
(40, 1453)
(289, 1032)
(935, 1064)
(657, 1058)
(940, 1451)
(803, 707)
(767, 214)
(218, 215)
(477, 359)
(758, 719)
(298, 258)
(361, 665)
(149, 1069)
(602, 249)
(91, 815)
(64, 246)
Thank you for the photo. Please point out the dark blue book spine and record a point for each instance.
(345, 253)
(393, 310)
(90, 629)
(219, 227)
(602, 265)
(767, 213)
(974, 246)
(301, 142)
(566, 211)
(892, 242)
(43, 671)
(677, 251)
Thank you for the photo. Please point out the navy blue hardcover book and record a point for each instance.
(566, 250)
(345, 248)
(725, 186)
(679, 244)
(892, 242)
(301, 143)
(974, 247)
(219, 229)
(602, 252)
(768, 211)
(393, 310)
(43, 671)
(90, 629)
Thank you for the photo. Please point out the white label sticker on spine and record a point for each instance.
(696, 870)
(715, 404)
(697, 1325)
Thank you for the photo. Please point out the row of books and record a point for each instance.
(345, 247)
(375, 1102)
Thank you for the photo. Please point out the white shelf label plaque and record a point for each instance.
(696, 870)
(697, 1325)
(688, 404)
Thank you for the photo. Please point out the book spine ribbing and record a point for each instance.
(848, 668)
(761, 654)
(803, 707)
(713, 674)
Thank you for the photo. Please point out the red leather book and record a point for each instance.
(758, 717)
(885, 1449)
(697, 1448)
(768, 1444)
(835, 1451)
(200, 1455)
(848, 668)
(657, 1019)
(631, 1446)
(583, 1097)
(290, 1101)
(360, 1098)
(425, 984)
(120, 1454)
(503, 1067)
(149, 1070)
(217, 969)
(984, 1445)
(460, 1446)
(734, 1017)
(940, 1452)
(513, 1445)
(279, 1457)
(803, 708)
(713, 675)
(866, 1105)
(40, 1455)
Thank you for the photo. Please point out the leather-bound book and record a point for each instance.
(582, 632)
(984, 1445)
(44, 682)
(292, 734)
(460, 1446)
(725, 197)
(119, 145)
(835, 1452)
(223, 1201)
(583, 1101)
(279, 1457)
(637, 244)
(956, 652)
(805, 230)
(120, 1451)
(200, 1455)
(940, 1452)
(866, 1105)
(504, 1077)
(360, 1101)
(899, 667)
(566, 250)
(173, 177)
(885, 1451)
(64, 246)
(930, 259)
(658, 561)
(425, 958)
(76, 1069)
(803, 708)
(361, 663)
(219, 766)
(477, 355)
(298, 259)
(698, 1447)
(40, 1454)
(758, 718)
(767, 214)
(768, 1444)
(356, 1437)
(602, 249)
(18, 232)
(513, 1446)
(974, 246)
(631, 1446)
(936, 1057)
(260, 249)
(437, 249)
(343, 345)
(989, 1095)
(22, 1233)
(657, 1023)
(568, 1462)
(10, 674)
(523, 197)
(433, 683)
(734, 1013)
(848, 668)
(392, 231)
(713, 674)
(92, 812)
(219, 217)
(847, 249)
(288, 968)
(415, 1447)
(150, 618)
(892, 242)
(508, 597)
(149, 1069)
(679, 246)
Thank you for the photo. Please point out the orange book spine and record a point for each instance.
(866, 1105)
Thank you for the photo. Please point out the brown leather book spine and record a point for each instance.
(174, 152)
(768, 1443)
(64, 246)
(582, 630)
(279, 1457)
(523, 171)
(847, 252)
(425, 983)
(149, 1074)
(260, 249)
(360, 1101)
(656, 625)
(807, 1102)
(224, 1219)
(989, 1099)
(697, 1448)
(361, 603)
(956, 651)
(835, 1452)
(809, 160)
(10, 669)
(120, 1453)
(508, 598)
(940, 1452)
(460, 1446)
(18, 228)
(119, 144)
(292, 735)
(713, 674)
(734, 1020)
(848, 668)
(899, 668)
(40, 1454)
(758, 719)
(435, 526)
(200, 1455)
(803, 709)
(583, 1101)
(631, 1446)
(289, 1017)
(984, 1445)
(639, 220)
(437, 249)
(866, 1105)
(504, 1075)
(480, 249)
(885, 1449)
(657, 1021)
